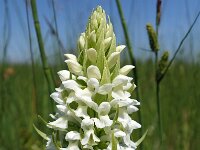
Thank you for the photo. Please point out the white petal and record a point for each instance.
(128, 142)
(92, 55)
(62, 108)
(72, 135)
(103, 121)
(99, 124)
(106, 120)
(87, 123)
(93, 83)
(121, 79)
(57, 97)
(74, 67)
(105, 89)
(71, 85)
(71, 56)
(120, 48)
(131, 109)
(112, 59)
(104, 108)
(64, 75)
(126, 69)
(119, 133)
(82, 78)
(60, 123)
(81, 111)
(134, 125)
(128, 86)
(85, 97)
(87, 135)
(93, 72)
(118, 93)
(121, 103)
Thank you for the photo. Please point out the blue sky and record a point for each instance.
(72, 15)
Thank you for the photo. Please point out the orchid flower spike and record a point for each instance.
(94, 99)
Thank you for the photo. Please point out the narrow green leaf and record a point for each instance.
(43, 121)
(43, 135)
(141, 139)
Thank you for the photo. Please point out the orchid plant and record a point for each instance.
(94, 99)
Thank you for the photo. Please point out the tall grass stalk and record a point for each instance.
(158, 17)
(56, 32)
(133, 61)
(159, 78)
(179, 48)
(47, 70)
(34, 98)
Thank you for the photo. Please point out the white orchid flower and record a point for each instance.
(103, 120)
(89, 137)
(60, 124)
(73, 138)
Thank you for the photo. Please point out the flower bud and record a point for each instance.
(93, 72)
(126, 69)
(120, 48)
(74, 67)
(81, 42)
(112, 60)
(92, 55)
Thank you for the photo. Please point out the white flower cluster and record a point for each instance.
(93, 101)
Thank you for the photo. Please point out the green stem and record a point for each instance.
(47, 71)
(34, 99)
(158, 83)
(159, 110)
(158, 97)
(133, 61)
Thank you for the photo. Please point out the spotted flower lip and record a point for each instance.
(94, 100)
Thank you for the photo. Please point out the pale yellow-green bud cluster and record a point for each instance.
(97, 46)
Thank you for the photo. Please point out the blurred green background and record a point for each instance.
(23, 87)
